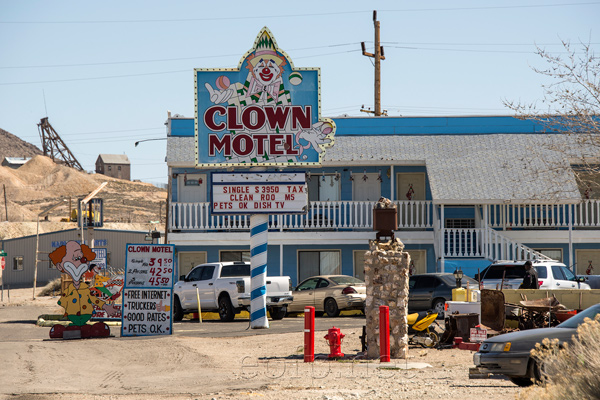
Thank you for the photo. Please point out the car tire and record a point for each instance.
(226, 313)
(331, 308)
(521, 381)
(439, 306)
(177, 310)
(278, 313)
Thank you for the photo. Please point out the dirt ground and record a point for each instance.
(177, 367)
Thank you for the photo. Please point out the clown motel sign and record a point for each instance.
(259, 193)
(148, 290)
(265, 112)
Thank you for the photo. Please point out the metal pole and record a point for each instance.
(5, 204)
(309, 334)
(37, 248)
(384, 334)
(571, 239)
(259, 225)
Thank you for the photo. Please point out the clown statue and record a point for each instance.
(74, 259)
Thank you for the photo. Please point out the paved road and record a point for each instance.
(241, 327)
(18, 323)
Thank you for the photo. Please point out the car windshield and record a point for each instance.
(451, 281)
(577, 320)
(235, 270)
(345, 280)
(568, 274)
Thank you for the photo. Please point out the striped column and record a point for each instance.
(259, 224)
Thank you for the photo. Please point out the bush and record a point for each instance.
(572, 371)
(51, 289)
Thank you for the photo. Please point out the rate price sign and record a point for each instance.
(259, 193)
(148, 290)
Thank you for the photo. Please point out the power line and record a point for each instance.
(311, 15)
(96, 78)
(161, 59)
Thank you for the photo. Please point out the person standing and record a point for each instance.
(530, 280)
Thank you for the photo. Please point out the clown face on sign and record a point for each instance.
(266, 112)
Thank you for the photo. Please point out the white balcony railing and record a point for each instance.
(325, 215)
(485, 243)
(543, 216)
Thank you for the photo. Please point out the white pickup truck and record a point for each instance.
(225, 287)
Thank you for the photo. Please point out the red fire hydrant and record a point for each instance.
(334, 340)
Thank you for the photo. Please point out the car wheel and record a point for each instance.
(278, 313)
(521, 381)
(331, 308)
(536, 373)
(226, 309)
(177, 310)
(439, 306)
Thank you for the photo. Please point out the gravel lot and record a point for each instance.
(265, 366)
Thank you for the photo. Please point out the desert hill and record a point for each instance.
(41, 183)
(12, 146)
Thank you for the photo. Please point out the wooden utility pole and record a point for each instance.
(378, 56)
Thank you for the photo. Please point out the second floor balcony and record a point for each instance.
(412, 215)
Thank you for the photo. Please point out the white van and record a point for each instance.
(551, 275)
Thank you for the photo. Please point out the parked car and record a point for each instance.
(509, 354)
(431, 291)
(225, 287)
(552, 275)
(329, 294)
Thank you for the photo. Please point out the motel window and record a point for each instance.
(18, 263)
(311, 263)
(236, 255)
(359, 264)
(555, 254)
(323, 187)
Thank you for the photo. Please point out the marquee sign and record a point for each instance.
(263, 113)
(259, 193)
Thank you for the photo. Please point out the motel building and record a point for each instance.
(468, 190)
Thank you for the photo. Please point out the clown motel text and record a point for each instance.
(259, 198)
(149, 266)
(146, 312)
(251, 120)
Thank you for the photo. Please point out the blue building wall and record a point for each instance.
(361, 126)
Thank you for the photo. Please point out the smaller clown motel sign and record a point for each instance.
(148, 290)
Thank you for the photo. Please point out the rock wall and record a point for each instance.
(386, 278)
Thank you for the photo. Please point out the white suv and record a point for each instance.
(551, 275)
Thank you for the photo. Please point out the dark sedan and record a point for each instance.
(509, 354)
(432, 291)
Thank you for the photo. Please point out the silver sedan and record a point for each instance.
(329, 294)
(510, 354)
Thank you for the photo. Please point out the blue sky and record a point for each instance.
(106, 73)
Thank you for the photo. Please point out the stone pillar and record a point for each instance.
(386, 278)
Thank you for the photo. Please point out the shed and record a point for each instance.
(114, 165)
(14, 162)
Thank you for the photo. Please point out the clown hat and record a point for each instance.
(265, 48)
